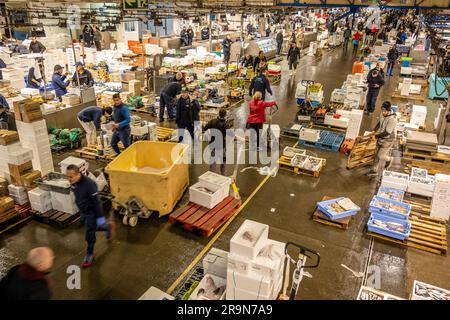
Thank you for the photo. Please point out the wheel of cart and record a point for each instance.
(132, 210)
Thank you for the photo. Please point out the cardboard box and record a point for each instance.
(6, 204)
(18, 170)
(71, 99)
(215, 263)
(249, 239)
(8, 137)
(3, 187)
(134, 87)
(27, 110)
(28, 179)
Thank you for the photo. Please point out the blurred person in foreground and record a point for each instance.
(29, 281)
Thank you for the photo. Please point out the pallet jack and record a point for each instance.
(131, 210)
(303, 255)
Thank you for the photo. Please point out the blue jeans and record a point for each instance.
(90, 223)
(123, 135)
(390, 68)
(165, 100)
(372, 96)
(279, 45)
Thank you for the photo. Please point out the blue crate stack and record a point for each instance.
(322, 206)
(330, 141)
(388, 215)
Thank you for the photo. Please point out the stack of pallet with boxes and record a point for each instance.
(7, 210)
(255, 264)
(32, 129)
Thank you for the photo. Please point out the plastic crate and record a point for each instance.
(396, 195)
(387, 212)
(41, 182)
(334, 216)
(328, 141)
(389, 233)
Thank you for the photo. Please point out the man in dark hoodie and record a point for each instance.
(187, 113)
(260, 83)
(167, 98)
(392, 56)
(28, 281)
(279, 41)
(374, 82)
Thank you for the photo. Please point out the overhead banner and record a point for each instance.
(135, 4)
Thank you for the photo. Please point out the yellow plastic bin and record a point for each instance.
(154, 172)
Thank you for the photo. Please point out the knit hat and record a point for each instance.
(386, 105)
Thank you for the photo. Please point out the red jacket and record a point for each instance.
(357, 36)
(257, 110)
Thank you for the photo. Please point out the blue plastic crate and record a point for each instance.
(382, 59)
(315, 103)
(406, 63)
(300, 100)
(328, 141)
(322, 205)
(387, 212)
(372, 227)
(397, 194)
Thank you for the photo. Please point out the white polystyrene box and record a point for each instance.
(307, 134)
(214, 180)
(64, 202)
(17, 156)
(249, 239)
(205, 199)
(238, 264)
(215, 263)
(270, 260)
(80, 163)
(235, 290)
(205, 284)
(421, 291)
(252, 282)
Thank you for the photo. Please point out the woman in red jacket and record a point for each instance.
(257, 115)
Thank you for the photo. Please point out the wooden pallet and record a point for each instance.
(313, 125)
(415, 80)
(411, 154)
(23, 210)
(62, 219)
(363, 153)
(164, 134)
(323, 219)
(91, 153)
(415, 97)
(427, 234)
(8, 215)
(421, 205)
(285, 164)
(432, 167)
(197, 218)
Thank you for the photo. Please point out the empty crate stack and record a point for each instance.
(255, 264)
(33, 134)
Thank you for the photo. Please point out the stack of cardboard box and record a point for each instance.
(32, 129)
(255, 264)
(23, 175)
(6, 203)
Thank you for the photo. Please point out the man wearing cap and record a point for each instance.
(59, 82)
(187, 112)
(384, 132)
(84, 76)
(90, 120)
(36, 46)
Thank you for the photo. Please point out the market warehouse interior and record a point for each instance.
(224, 151)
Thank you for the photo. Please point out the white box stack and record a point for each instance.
(13, 154)
(80, 163)
(338, 95)
(153, 131)
(307, 134)
(64, 202)
(211, 189)
(440, 205)
(215, 263)
(341, 122)
(40, 200)
(421, 186)
(211, 179)
(15, 76)
(255, 264)
(395, 180)
(418, 115)
(35, 137)
(354, 124)
(19, 194)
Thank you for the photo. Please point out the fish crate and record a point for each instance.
(52, 176)
(322, 206)
(374, 228)
(285, 163)
(319, 217)
(390, 212)
(391, 193)
(328, 141)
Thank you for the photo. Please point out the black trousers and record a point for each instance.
(90, 223)
(257, 127)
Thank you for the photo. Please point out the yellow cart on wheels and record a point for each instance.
(154, 173)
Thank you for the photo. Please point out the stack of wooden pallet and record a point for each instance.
(363, 152)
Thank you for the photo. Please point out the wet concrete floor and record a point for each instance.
(155, 253)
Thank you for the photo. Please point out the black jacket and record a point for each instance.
(260, 83)
(187, 112)
(256, 62)
(221, 125)
(226, 44)
(279, 37)
(36, 47)
(23, 282)
(172, 89)
(87, 198)
(372, 81)
(7, 121)
(85, 78)
(392, 55)
(293, 54)
(247, 62)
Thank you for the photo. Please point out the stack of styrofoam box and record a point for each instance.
(80, 163)
(425, 291)
(40, 200)
(418, 115)
(253, 273)
(14, 154)
(443, 149)
(215, 263)
(300, 92)
(395, 180)
(35, 137)
(354, 124)
(308, 134)
(15, 76)
(29, 92)
(440, 205)
(421, 183)
(19, 194)
(338, 95)
(218, 184)
(351, 104)
(64, 202)
(152, 49)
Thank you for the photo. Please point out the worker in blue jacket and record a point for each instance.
(4, 102)
(59, 82)
(90, 119)
(260, 83)
(121, 126)
(91, 212)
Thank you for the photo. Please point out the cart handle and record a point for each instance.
(307, 252)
